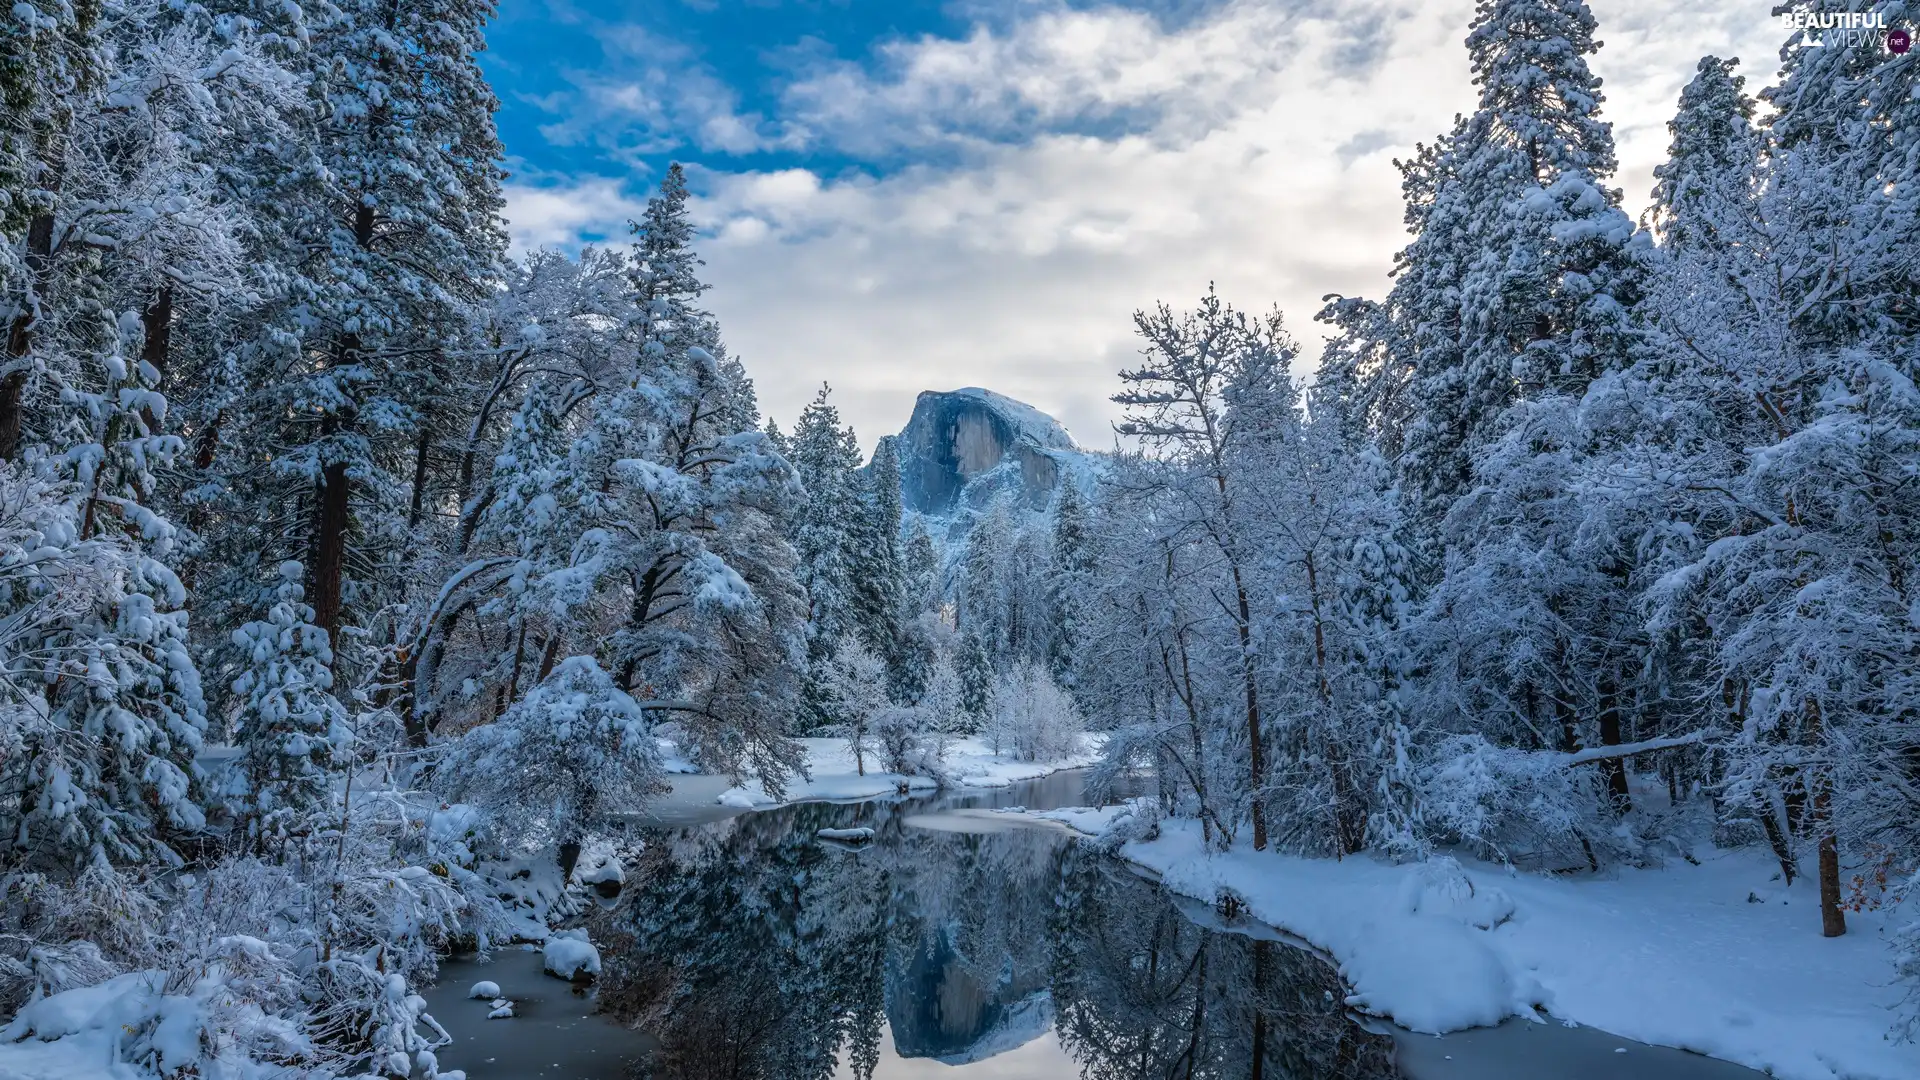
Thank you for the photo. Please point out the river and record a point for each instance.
(961, 946)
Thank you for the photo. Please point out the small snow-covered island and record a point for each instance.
(425, 654)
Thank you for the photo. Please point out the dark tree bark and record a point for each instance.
(157, 321)
(1614, 769)
(334, 496)
(13, 387)
(421, 447)
(330, 546)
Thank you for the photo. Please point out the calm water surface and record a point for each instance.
(961, 946)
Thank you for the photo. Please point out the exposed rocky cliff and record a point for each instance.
(962, 448)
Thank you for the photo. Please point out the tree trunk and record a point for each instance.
(157, 321)
(1833, 918)
(335, 494)
(330, 547)
(13, 387)
(1257, 760)
(1349, 805)
(1615, 769)
(417, 507)
(1778, 840)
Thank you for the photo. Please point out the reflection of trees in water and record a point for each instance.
(1140, 991)
(754, 952)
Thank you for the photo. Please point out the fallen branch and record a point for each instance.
(1608, 753)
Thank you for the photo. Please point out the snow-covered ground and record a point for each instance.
(1679, 956)
(835, 775)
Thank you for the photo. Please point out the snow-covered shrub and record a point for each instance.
(1439, 886)
(944, 701)
(1033, 717)
(854, 692)
(909, 744)
(239, 1002)
(1519, 806)
(1140, 821)
(574, 750)
(57, 936)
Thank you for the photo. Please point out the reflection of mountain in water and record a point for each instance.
(752, 952)
(939, 1007)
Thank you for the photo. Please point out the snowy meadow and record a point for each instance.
(1551, 651)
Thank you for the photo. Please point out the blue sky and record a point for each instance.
(899, 196)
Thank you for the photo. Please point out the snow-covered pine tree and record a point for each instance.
(124, 167)
(1708, 177)
(974, 667)
(982, 592)
(922, 568)
(1538, 298)
(105, 716)
(399, 197)
(925, 630)
(876, 569)
(628, 522)
(289, 722)
(1804, 533)
(824, 455)
(49, 55)
(1072, 571)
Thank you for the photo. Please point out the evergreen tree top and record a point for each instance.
(663, 245)
(1537, 95)
(1713, 149)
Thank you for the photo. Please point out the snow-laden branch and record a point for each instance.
(1647, 746)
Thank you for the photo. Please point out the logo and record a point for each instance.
(1899, 41)
(1844, 29)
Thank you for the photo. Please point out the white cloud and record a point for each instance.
(1252, 147)
(563, 216)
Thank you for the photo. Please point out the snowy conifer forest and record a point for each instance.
(358, 580)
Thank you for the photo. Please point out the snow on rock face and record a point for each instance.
(570, 956)
(1019, 1024)
(488, 990)
(962, 447)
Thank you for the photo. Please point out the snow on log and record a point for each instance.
(851, 836)
(1607, 753)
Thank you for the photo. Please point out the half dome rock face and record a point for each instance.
(964, 447)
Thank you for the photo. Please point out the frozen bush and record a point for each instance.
(574, 750)
(1519, 806)
(1033, 717)
(907, 746)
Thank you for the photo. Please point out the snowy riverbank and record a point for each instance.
(1679, 956)
(833, 775)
